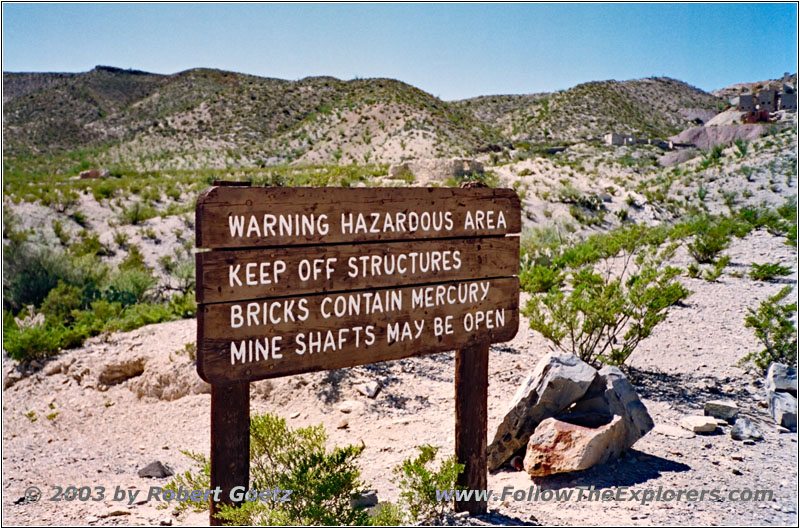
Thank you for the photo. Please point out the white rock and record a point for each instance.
(351, 406)
(744, 429)
(783, 408)
(699, 423)
(721, 409)
(781, 378)
(370, 389)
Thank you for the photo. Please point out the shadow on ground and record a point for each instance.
(495, 518)
(685, 392)
(634, 468)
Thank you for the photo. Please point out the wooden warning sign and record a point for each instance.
(307, 279)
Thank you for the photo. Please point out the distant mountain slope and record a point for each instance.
(257, 118)
(50, 112)
(646, 107)
(207, 117)
(753, 87)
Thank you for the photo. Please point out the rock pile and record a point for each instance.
(568, 416)
(781, 386)
(435, 170)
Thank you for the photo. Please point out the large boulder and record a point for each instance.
(783, 408)
(781, 378)
(560, 446)
(744, 430)
(556, 382)
(781, 386)
(612, 394)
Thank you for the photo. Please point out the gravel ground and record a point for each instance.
(62, 426)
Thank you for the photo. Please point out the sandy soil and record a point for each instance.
(102, 434)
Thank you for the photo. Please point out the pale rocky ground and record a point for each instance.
(102, 435)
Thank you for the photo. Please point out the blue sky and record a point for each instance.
(450, 50)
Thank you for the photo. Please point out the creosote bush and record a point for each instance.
(419, 483)
(601, 317)
(769, 271)
(711, 239)
(773, 325)
(323, 481)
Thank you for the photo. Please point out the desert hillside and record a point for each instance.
(135, 118)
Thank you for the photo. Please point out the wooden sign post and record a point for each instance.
(309, 279)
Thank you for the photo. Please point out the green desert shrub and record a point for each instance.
(324, 481)
(32, 342)
(419, 481)
(488, 178)
(136, 213)
(773, 325)
(61, 301)
(602, 318)
(31, 271)
(715, 272)
(536, 278)
(769, 271)
(711, 239)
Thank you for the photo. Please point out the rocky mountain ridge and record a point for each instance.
(245, 120)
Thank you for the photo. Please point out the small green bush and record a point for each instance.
(134, 260)
(419, 482)
(324, 482)
(89, 244)
(61, 233)
(714, 273)
(773, 325)
(489, 178)
(61, 301)
(32, 342)
(131, 285)
(741, 147)
(31, 271)
(711, 239)
(536, 278)
(769, 271)
(136, 213)
(602, 319)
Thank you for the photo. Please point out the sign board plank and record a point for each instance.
(248, 341)
(234, 275)
(242, 217)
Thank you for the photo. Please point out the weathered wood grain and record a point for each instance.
(218, 204)
(215, 333)
(230, 443)
(272, 272)
(472, 391)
